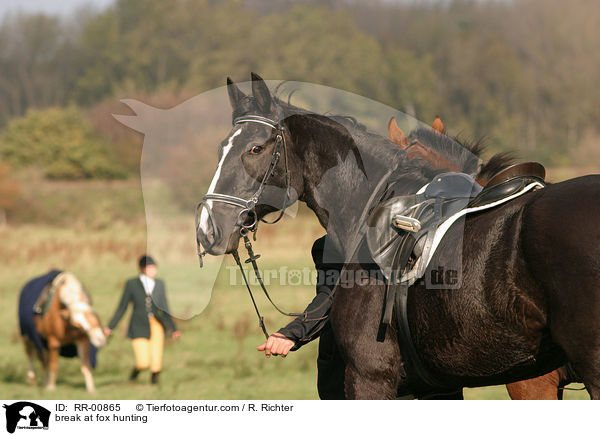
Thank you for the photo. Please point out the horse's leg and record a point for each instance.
(373, 368)
(369, 383)
(30, 351)
(544, 387)
(52, 363)
(586, 362)
(83, 351)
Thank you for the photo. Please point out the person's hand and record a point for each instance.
(277, 344)
(176, 334)
(107, 331)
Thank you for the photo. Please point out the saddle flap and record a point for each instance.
(382, 237)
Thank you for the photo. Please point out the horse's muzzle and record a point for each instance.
(97, 337)
(217, 230)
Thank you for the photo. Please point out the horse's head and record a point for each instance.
(254, 173)
(435, 149)
(79, 310)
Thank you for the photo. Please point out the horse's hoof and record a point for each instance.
(51, 387)
(31, 381)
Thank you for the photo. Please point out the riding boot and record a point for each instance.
(134, 374)
(154, 378)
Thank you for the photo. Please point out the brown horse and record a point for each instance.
(546, 387)
(67, 319)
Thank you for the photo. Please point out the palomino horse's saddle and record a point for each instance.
(44, 301)
(404, 232)
(47, 295)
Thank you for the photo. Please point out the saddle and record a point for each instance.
(42, 304)
(403, 234)
(401, 231)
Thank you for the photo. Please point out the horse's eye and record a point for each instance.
(256, 149)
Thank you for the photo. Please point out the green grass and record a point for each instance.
(214, 359)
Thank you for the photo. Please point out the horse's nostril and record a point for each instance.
(207, 237)
(210, 236)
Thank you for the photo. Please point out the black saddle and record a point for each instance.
(509, 181)
(394, 248)
(417, 216)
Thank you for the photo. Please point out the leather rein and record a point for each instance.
(248, 208)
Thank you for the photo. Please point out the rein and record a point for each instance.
(248, 208)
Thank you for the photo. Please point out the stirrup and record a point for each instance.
(407, 223)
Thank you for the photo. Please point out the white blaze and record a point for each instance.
(204, 214)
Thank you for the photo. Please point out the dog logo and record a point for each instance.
(26, 415)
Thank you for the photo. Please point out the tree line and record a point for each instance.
(524, 73)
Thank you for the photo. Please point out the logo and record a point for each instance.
(26, 415)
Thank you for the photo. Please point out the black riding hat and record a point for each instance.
(146, 260)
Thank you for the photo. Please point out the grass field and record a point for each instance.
(214, 359)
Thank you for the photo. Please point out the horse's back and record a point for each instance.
(561, 241)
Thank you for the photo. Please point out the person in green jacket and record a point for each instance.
(149, 320)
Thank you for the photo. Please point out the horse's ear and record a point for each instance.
(438, 125)
(235, 93)
(396, 134)
(261, 93)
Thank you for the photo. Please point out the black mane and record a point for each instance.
(465, 158)
(464, 153)
(407, 169)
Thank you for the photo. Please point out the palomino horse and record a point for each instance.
(527, 299)
(545, 387)
(63, 315)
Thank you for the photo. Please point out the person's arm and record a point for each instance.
(308, 326)
(164, 311)
(125, 299)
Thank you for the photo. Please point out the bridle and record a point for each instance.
(248, 208)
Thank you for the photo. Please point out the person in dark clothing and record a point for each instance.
(314, 323)
(149, 320)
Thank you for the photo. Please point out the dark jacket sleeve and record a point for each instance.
(163, 306)
(308, 326)
(125, 299)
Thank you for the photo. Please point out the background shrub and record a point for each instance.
(61, 142)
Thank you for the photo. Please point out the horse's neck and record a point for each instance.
(70, 291)
(340, 194)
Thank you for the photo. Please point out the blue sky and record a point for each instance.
(60, 7)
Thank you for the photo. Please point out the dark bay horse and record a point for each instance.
(64, 317)
(428, 148)
(528, 300)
